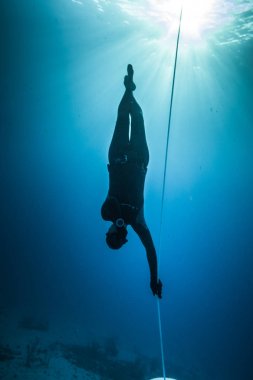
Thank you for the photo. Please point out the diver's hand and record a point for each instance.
(156, 287)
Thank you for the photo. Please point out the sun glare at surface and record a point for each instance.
(226, 21)
(196, 14)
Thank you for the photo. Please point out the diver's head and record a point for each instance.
(116, 236)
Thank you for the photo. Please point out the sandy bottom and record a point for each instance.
(32, 350)
(31, 354)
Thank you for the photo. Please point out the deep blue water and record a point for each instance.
(62, 69)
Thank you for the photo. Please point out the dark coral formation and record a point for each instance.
(31, 323)
(36, 356)
(6, 353)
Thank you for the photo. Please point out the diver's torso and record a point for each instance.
(127, 184)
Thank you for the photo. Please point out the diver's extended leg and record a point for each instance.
(120, 140)
(138, 142)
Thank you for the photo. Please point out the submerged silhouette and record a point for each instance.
(128, 161)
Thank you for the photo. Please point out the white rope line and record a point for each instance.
(163, 193)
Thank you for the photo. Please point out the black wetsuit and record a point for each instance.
(128, 160)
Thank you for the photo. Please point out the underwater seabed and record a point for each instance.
(34, 348)
(50, 348)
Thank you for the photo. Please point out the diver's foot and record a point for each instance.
(130, 71)
(128, 80)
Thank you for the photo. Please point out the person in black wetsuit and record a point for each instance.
(128, 161)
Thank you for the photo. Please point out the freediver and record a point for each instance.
(128, 161)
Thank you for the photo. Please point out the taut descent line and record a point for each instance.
(163, 189)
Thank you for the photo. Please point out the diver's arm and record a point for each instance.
(146, 238)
